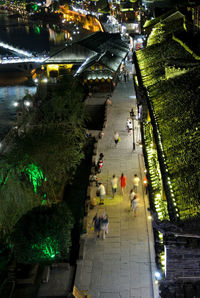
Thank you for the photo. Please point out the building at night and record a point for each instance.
(96, 59)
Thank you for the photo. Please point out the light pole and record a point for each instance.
(132, 115)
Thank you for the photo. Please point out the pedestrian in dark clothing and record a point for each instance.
(97, 224)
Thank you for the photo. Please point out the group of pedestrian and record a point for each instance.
(114, 184)
(101, 223)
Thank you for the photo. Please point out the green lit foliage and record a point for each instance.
(163, 31)
(56, 143)
(40, 164)
(35, 175)
(176, 105)
(179, 124)
(152, 60)
(153, 22)
(17, 195)
(43, 235)
(159, 203)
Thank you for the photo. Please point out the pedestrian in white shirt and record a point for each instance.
(102, 193)
(114, 181)
(136, 181)
(129, 125)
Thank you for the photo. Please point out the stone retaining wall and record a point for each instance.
(182, 258)
(91, 191)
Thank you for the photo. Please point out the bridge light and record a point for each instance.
(15, 104)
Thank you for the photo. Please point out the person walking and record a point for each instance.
(131, 197)
(97, 224)
(114, 181)
(99, 165)
(116, 138)
(136, 181)
(129, 125)
(104, 224)
(123, 182)
(102, 193)
(134, 203)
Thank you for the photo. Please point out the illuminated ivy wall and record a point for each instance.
(173, 102)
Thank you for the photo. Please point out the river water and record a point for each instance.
(34, 38)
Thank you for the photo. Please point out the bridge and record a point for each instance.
(23, 56)
(25, 61)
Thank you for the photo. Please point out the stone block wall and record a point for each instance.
(182, 258)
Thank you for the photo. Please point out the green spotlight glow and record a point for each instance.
(35, 175)
(48, 249)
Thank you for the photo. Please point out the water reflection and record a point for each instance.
(9, 95)
(31, 37)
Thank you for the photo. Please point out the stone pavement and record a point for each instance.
(123, 264)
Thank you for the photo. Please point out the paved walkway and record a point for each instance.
(122, 265)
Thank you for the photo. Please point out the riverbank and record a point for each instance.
(12, 78)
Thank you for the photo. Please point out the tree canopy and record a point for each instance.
(39, 164)
(43, 235)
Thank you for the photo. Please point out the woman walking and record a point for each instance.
(123, 182)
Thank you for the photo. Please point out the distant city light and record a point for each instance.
(27, 103)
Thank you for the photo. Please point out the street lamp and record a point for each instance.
(132, 115)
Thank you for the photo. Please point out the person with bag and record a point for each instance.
(116, 138)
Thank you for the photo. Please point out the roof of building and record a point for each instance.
(102, 47)
(168, 16)
(74, 53)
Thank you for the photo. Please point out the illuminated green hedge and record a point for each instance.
(174, 105)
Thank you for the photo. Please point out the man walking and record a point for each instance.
(102, 193)
(136, 181)
(114, 181)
